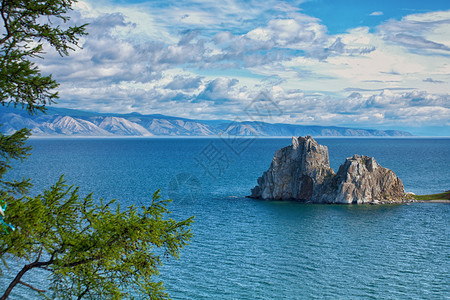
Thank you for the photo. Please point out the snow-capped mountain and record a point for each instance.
(121, 126)
(66, 122)
(70, 126)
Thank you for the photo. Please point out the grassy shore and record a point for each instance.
(442, 196)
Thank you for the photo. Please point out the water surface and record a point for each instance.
(250, 249)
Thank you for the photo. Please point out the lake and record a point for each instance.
(251, 249)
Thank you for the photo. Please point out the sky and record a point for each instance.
(367, 64)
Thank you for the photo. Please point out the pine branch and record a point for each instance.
(31, 287)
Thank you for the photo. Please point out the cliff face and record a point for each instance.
(296, 172)
(302, 172)
(361, 180)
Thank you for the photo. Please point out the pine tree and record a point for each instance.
(91, 249)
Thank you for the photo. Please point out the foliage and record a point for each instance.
(27, 25)
(13, 147)
(91, 250)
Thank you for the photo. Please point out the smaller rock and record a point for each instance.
(361, 180)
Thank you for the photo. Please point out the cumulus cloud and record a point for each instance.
(211, 65)
(298, 33)
(111, 54)
(180, 82)
(104, 57)
(359, 109)
(376, 13)
(218, 90)
(387, 108)
(281, 39)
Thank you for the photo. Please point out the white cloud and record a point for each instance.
(199, 63)
(388, 108)
(299, 33)
(184, 83)
(385, 65)
(147, 25)
(218, 90)
(428, 32)
(376, 13)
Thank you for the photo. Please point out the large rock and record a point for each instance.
(302, 172)
(296, 172)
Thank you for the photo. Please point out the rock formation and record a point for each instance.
(361, 180)
(296, 172)
(302, 172)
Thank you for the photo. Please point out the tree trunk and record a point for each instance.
(21, 273)
(16, 281)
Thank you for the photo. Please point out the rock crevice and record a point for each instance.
(302, 172)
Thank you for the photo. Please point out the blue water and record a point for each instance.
(250, 249)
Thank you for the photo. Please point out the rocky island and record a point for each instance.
(302, 172)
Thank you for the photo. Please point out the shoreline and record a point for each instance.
(433, 201)
(432, 198)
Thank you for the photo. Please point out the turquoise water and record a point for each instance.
(250, 249)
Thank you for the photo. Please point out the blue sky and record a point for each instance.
(372, 64)
(341, 15)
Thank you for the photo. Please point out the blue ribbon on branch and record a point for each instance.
(2, 215)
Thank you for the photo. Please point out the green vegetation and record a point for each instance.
(441, 196)
(90, 249)
(27, 25)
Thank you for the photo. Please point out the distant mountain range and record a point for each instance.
(68, 122)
